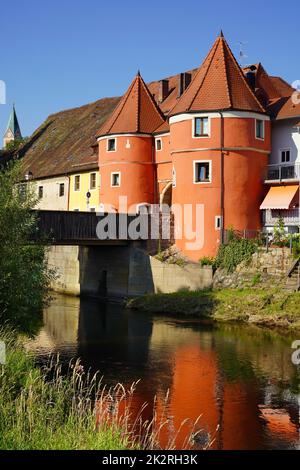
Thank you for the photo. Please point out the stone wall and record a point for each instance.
(121, 271)
(64, 260)
(272, 265)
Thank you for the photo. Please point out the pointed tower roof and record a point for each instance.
(13, 124)
(137, 112)
(219, 84)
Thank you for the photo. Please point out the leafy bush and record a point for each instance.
(280, 237)
(233, 253)
(207, 261)
(295, 239)
(24, 274)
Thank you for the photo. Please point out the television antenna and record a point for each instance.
(242, 55)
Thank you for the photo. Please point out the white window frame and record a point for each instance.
(77, 190)
(111, 138)
(194, 127)
(194, 171)
(280, 155)
(93, 173)
(218, 222)
(263, 129)
(161, 144)
(111, 179)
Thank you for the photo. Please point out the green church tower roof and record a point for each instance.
(13, 124)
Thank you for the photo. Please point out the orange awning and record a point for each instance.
(279, 197)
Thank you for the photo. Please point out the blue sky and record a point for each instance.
(61, 54)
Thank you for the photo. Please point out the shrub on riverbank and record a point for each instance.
(24, 274)
(269, 307)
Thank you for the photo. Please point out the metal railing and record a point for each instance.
(290, 216)
(285, 171)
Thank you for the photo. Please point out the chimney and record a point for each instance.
(251, 77)
(163, 90)
(184, 81)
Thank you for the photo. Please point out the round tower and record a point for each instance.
(126, 151)
(220, 141)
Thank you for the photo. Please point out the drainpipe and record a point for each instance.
(154, 166)
(222, 175)
(69, 189)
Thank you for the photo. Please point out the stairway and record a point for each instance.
(293, 277)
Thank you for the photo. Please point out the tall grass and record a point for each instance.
(47, 408)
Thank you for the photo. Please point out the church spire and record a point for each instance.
(13, 131)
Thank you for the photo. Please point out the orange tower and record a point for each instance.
(126, 150)
(220, 141)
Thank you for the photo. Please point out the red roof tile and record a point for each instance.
(137, 112)
(218, 84)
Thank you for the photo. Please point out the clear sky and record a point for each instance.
(60, 54)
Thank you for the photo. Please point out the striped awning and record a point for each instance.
(279, 197)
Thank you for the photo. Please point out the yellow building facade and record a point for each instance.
(82, 185)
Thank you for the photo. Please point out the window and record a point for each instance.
(75, 210)
(111, 145)
(218, 222)
(61, 189)
(92, 209)
(41, 191)
(260, 129)
(77, 183)
(158, 143)
(202, 172)
(22, 190)
(93, 181)
(201, 127)
(285, 156)
(116, 179)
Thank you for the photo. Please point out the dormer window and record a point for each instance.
(259, 129)
(201, 128)
(111, 145)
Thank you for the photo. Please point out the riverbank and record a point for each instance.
(259, 306)
(42, 409)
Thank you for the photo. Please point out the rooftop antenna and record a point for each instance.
(242, 55)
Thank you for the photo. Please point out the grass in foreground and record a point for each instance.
(37, 412)
(43, 409)
(268, 307)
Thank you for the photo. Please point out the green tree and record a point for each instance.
(24, 274)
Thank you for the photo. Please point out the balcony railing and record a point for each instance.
(290, 217)
(284, 171)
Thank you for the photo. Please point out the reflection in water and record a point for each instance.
(240, 379)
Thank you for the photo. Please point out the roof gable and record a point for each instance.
(137, 112)
(218, 84)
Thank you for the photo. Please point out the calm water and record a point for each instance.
(240, 379)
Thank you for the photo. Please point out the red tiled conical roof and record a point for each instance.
(219, 84)
(137, 112)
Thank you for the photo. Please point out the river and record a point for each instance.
(240, 379)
